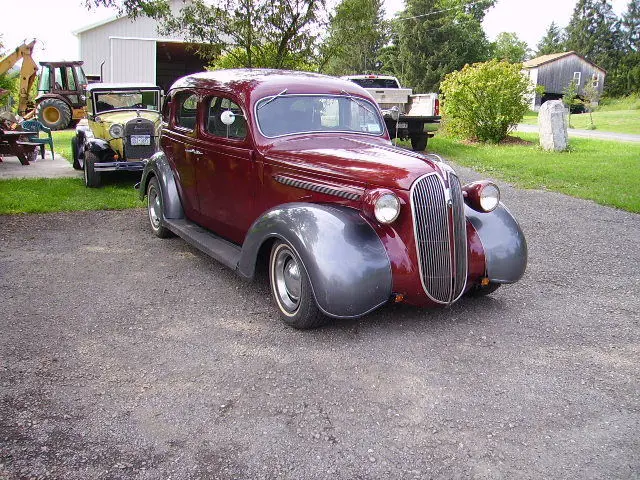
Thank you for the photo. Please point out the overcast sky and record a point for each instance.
(57, 19)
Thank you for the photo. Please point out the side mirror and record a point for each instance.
(228, 117)
(395, 113)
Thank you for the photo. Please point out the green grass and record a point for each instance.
(617, 121)
(62, 142)
(40, 195)
(606, 172)
(631, 102)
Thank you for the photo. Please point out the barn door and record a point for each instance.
(132, 60)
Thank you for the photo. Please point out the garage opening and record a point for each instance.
(175, 60)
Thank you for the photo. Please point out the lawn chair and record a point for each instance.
(36, 127)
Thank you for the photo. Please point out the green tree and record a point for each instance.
(509, 47)
(570, 98)
(594, 32)
(552, 42)
(357, 32)
(485, 101)
(590, 99)
(624, 79)
(631, 26)
(436, 37)
(253, 32)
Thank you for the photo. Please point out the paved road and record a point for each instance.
(595, 134)
(127, 356)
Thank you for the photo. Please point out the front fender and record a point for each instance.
(505, 248)
(98, 146)
(158, 166)
(346, 262)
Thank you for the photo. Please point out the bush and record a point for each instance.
(485, 101)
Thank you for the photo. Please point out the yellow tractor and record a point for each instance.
(61, 91)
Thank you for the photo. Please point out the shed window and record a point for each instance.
(576, 77)
(186, 110)
(595, 80)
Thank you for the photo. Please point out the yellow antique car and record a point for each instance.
(121, 130)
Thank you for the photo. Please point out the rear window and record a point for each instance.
(186, 110)
(376, 82)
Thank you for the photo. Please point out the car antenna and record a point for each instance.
(272, 99)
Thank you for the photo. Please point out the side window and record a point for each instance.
(71, 81)
(576, 77)
(186, 110)
(215, 126)
(166, 108)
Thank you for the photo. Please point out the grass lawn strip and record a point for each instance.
(606, 172)
(616, 121)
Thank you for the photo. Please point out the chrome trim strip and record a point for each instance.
(316, 187)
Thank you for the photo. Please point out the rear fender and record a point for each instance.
(344, 258)
(158, 166)
(505, 248)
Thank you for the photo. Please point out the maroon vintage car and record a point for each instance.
(296, 170)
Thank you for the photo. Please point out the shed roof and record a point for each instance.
(536, 62)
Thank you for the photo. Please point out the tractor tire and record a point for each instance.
(419, 141)
(53, 113)
(91, 177)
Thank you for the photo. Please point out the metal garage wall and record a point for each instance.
(132, 60)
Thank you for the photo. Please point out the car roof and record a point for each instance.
(120, 86)
(253, 84)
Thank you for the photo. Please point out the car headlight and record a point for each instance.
(483, 196)
(116, 130)
(387, 208)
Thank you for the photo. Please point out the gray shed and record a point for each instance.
(555, 71)
(124, 50)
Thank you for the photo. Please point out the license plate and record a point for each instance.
(140, 140)
(403, 125)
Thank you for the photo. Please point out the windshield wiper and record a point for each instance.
(358, 102)
(272, 99)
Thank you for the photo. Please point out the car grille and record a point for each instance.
(139, 126)
(438, 214)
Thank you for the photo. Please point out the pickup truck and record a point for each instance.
(404, 114)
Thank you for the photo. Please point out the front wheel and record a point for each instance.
(91, 177)
(155, 207)
(291, 288)
(74, 153)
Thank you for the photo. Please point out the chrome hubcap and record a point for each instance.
(154, 208)
(287, 280)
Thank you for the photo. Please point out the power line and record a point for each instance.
(439, 11)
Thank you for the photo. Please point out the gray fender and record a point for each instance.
(159, 167)
(346, 262)
(505, 248)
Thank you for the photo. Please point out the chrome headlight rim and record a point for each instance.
(116, 130)
(489, 197)
(386, 207)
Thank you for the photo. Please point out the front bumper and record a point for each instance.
(119, 166)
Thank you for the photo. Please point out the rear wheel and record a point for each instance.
(419, 141)
(155, 206)
(53, 113)
(291, 289)
(91, 177)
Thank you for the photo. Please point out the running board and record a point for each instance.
(218, 248)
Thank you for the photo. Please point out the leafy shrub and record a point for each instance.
(485, 101)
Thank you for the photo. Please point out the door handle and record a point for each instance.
(193, 150)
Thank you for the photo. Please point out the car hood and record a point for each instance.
(365, 161)
(124, 116)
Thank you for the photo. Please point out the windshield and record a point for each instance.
(289, 114)
(144, 99)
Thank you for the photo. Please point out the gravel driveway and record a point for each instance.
(126, 356)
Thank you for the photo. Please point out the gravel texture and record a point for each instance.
(126, 356)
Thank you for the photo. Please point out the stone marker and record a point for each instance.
(552, 120)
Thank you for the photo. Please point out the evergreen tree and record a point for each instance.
(552, 42)
(357, 32)
(436, 37)
(594, 32)
(631, 26)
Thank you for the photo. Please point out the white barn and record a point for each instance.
(124, 50)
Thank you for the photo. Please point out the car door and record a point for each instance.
(179, 145)
(225, 171)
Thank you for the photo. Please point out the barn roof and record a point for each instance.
(536, 62)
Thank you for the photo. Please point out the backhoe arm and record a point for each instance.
(28, 71)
